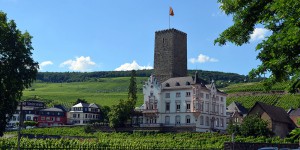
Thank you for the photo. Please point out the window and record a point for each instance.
(178, 94)
(206, 107)
(78, 115)
(217, 122)
(222, 109)
(48, 118)
(167, 119)
(217, 108)
(58, 113)
(222, 122)
(177, 84)
(201, 106)
(188, 106)
(207, 96)
(167, 85)
(187, 83)
(14, 118)
(207, 121)
(151, 93)
(201, 120)
(167, 95)
(177, 106)
(213, 107)
(188, 119)
(177, 118)
(86, 115)
(52, 118)
(42, 118)
(188, 94)
(221, 99)
(74, 115)
(58, 119)
(201, 95)
(167, 106)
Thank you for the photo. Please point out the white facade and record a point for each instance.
(184, 101)
(83, 113)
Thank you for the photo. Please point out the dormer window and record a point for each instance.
(177, 84)
(167, 85)
(187, 83)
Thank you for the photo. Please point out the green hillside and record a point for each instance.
(105, 91)
(248, 93)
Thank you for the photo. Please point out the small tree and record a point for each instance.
(30, 123)
(80, 101)
(104, 113)
(233, 128)
(132, 89)
(119, 114)
(253, 125)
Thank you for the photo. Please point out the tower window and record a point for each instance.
(163, 40)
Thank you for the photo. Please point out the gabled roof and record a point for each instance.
(294, 112)
(276, 113)
(93, 105)
(236, 105)
(180, 82)
(52, 109)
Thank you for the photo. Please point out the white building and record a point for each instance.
(184, 102)
(83, 113)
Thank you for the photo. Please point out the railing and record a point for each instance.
(150, 110)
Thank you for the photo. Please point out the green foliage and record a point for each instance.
(233, 128)
(104, 113)
(132, 89)
(295, 135)
(80, 101)
(120, 113)
(17, 68)
(30, 123)
(279, 53)
(254, 87)
(136, 140)
(88, 129)
(253, 125)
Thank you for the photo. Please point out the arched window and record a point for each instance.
(201, 120)
(177, 119)
(188, 119)
(207, 121)
(167, 85)
(177, 84)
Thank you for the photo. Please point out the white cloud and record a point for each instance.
(258, 34)
(80, 64)
(45, 63)
(202, 59)
(132, 66)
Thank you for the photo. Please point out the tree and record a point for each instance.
(279, 53)
(80, 101)
(253, 125)
(104, 113)
(119, 114)
(132, 89)
(17, 68)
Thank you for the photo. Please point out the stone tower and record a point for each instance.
(170, 54)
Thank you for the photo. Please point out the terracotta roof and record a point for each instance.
(276, 113)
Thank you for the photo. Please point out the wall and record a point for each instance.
(255, 146)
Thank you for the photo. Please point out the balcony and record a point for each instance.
(150, 111)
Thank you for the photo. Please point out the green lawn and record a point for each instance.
(106, 91)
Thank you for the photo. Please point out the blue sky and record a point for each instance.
(106, 35)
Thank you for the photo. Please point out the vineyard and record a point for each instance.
(285, 101)
(253, 87)
(136, 140)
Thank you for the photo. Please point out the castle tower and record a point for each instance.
(170, 54)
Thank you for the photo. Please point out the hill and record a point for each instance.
(248, 93)
(104, 91)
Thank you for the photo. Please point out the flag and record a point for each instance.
(171, 13)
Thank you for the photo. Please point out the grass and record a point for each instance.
(106, 91)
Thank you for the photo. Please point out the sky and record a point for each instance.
(107, 35)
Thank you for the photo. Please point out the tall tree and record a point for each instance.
(132, 89)
(280, 52)
(17, 68)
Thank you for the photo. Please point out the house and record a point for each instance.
(83, 113)
(30, 109)
(295, 116)
(184, 102)
(236, 112)
(278, 120)
(52, 117)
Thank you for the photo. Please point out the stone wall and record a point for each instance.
(170, 54)
(255, 146)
